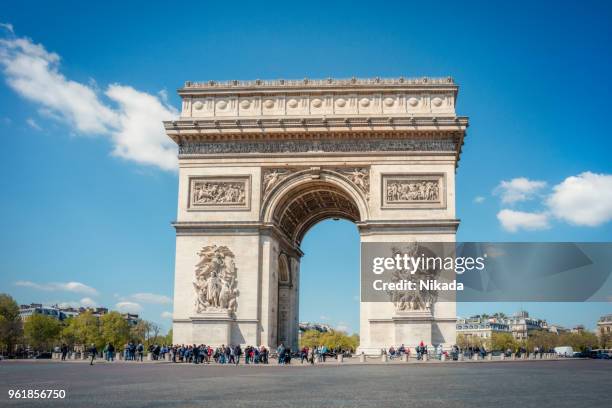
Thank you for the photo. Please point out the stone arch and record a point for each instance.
(306, 197)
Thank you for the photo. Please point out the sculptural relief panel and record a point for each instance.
(413, 191)
(215, 280)
(217, 193)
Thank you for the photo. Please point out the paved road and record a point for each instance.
(573, 383)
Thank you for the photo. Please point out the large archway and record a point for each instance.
(294, 206)
(261, 162)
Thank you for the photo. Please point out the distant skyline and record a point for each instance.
(89, 181)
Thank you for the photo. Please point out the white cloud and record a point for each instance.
(514, 220)
(166, 315)
(134, 124)
(128, 307)
(32, 123)
(343, 326)
(88, 302)
(76, 287)
(518, 189)
(323, 318)
(84, 302)
(585, 199)
(479, 199)
(150, 298)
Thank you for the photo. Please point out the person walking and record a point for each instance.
(64, 351)
(92, 353)
(140, 351)
(281, 354)
(237, 354)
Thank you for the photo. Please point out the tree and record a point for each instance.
(168, 338)
(41, 332)
(83, 330)
(542, 339)
(332, 339)
(114, 329)
(147, 333)
(579, 341)
(11, 326)
(605, 340)
(503, 342)
(310, 339)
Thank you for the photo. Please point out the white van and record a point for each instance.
(564, 351)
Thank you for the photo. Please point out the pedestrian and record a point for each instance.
(237, 354)
(140, 351)
(280, 351)
(92, 353)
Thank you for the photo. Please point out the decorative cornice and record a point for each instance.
(317, 83)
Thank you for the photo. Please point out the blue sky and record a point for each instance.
(87, 198)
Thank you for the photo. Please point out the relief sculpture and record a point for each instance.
(271, 177)
(215, 283)
(360, 177)
(417, 299)
(216, 192)
(399, 191)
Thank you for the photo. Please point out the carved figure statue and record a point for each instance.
(215, 283)
(417, 299)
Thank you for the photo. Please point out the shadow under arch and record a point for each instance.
(306, 197)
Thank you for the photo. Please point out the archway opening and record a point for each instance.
(329, 278)
(324, 211)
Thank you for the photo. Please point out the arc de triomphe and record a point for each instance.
(263, 161)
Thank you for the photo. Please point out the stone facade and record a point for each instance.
(481, 328)
(261, 162)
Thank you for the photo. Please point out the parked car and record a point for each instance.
(600, 354)
(43, 356)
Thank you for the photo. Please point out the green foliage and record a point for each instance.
(168, 338)
(332, 339)
(11, 327)
(605, 340)
(503, 342)
(84, 330)
(114, 329)
(464, 341)
(41, 332)
(579, 341)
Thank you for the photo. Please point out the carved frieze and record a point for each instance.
(305, 146)
(211, 192)
(413, 190)
(215, 280)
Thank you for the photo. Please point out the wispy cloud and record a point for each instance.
(149, 298)
(128, 307)
(131, 119)
(513, 221)
(84, 302)
(166, 315)
(32, 123)
(76, 287)
(479, 199)
(8, 27)
(518, 189)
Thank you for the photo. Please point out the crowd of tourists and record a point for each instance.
(233, 354)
